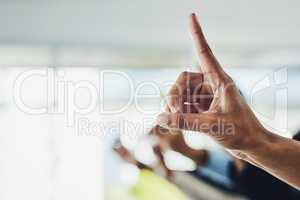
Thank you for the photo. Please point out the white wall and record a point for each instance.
(136, 23)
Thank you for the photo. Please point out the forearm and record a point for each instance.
(279, 156)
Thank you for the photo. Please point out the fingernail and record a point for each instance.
(163, 120)
(174, 109)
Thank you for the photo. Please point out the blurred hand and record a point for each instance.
(209, 102)
(174, 140)
(128, 157)
(124, 153)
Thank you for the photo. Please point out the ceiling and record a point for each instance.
(155, 22)
(232, 26)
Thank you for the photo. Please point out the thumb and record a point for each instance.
(191, 121)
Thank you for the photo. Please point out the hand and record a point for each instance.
(174, 140)
(124, 153)
(128, 157)
(209, 102)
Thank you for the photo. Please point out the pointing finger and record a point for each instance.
(208, 62)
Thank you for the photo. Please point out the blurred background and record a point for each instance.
(43, 157)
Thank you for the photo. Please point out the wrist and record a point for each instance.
(262, 144)
(201, 157)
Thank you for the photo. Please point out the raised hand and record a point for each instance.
(213, 105)
(209, 102)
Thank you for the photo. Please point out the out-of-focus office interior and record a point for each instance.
(77, 75)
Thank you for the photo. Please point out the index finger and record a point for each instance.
(208, 62)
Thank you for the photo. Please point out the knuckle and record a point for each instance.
(184, 74)
(196, 31)
(225, 81)
(205, 50)
(173, 103)
(170, 120)
(180, 121)
(229, 80)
